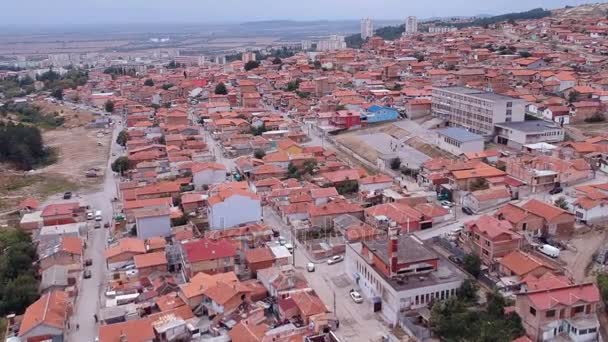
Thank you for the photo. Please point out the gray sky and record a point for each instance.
(70, 12)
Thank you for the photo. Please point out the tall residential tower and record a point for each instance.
(367, 28)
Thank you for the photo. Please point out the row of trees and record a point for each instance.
(22, 146)
(57, 83)
(18, 284)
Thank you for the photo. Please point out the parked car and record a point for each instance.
(455, 259)
(310, 267)
(556, 190)
(356, 297)
(335, 259)
(446, 204)
(106, 225)
(467, 210)
(97, 225)
(87, 274)
(88, 262)
(67, 195)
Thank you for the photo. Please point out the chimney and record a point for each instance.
(393, 249)
(123, 337)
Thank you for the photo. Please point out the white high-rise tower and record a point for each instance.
(411, 25)
(367, 28)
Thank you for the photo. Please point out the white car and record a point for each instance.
(282, 241)
(335, 259)
(446, 204)
(356, 296)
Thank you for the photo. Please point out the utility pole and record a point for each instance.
(335, 313)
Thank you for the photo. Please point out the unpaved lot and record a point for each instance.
(586, 242)
(78, 151)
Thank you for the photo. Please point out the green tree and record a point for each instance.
(525, 54)
(317, 64)
(149, 82)
(122, 138)
(495, 304)
(220, 89)
(293, 85)
(602, 283)
(561, 203)
(109, 106)
(479, 184)
(292, 171)
(57, 93)
(167, 86)
(259, 154)
(472, 264)
(347, 187)
(573, 96)
(251, 65)
(395, 163)
(309, 166)
(277, 61)
(467, 291)
(18, 293)
(121, 165)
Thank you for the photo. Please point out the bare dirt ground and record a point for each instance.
(592, 129)
(580, 261)
(77, 150)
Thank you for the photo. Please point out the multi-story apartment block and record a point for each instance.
(476, 110)
(367, 28)
(411, 25)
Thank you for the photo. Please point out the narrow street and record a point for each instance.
(90, 290)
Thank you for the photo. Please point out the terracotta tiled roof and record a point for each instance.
(134, 330)
(521, 263)
(150, 259)
(49, 310)
(204, 249)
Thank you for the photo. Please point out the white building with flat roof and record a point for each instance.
(476, 110)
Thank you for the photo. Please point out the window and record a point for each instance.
(550, 313)
(592, 330)
(532, 311)
(509, 104)
(579, 309)
(582, 332)
(509, 112)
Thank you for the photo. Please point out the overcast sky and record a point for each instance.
(55, 12)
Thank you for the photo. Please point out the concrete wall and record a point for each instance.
(148, 227)
(234, 211)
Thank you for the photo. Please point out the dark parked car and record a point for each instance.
(67, 195)
(88, 262)
(106, 225)
(556, 190)
(455, 259)
(87, 274)
(467, 211)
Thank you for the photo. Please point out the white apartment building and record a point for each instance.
(411, 25)
(334, 42)
(475, 110)
(442, 29)
(367, 28)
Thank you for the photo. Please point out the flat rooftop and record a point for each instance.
(445, 273)
(531, 126)
(478, 93)
(459, 134)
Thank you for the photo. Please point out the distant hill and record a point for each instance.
(588, 10)
(536, 13)
(394, 32)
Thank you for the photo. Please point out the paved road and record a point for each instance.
(88, 300)
(358, 322)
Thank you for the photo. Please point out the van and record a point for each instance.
(549, 250)
(289, 247)
(98, 215)
(310, 267)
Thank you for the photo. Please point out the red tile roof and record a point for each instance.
(50, 310)
(205, 249)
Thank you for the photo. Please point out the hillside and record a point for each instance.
(394, 32)
(588, 10)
